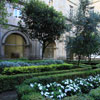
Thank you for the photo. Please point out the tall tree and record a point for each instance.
(42, 22)
(3, 11)
(87, 40)
(3, 15)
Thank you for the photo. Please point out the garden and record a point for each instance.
(77, 79)
(50, 79)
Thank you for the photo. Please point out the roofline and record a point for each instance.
(95, 2)
(72, 2)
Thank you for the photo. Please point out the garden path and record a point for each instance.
(10, 95)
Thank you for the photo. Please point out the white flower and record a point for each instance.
(51, 96)
(31, 85)
(60, 91)
(48, 85)
(42, 93)
(58, 96)
(52, 92)
(39, 85)
(62, 95)
(40, 88)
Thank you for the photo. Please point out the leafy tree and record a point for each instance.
(3, 11)
(42, 22)
(3, 15)
(87, 40)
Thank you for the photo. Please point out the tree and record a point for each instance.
(42, 22)
(3, 15)
(87, 40)
(3, 11)
(84, 46)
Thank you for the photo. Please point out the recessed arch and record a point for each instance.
(15, 32)
(50, 51)
(15, 44)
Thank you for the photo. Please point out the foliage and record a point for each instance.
(35, 69)
(98, 65)
(95, 93)
(3, 11)
(87, 40)
(60, 90)
(79, 97)
(42, 22)
(8, 82)
(14, 63)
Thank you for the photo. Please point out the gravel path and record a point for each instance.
(10, 95)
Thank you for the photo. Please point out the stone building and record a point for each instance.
(14, 44)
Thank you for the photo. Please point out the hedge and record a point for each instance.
(37, 69)
(24, 88)
(8, 82)
(94, 94)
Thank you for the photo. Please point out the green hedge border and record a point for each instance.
(8, 82)
(25, 90)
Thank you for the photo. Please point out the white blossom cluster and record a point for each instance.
(57, 91)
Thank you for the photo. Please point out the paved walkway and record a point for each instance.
(10, 95)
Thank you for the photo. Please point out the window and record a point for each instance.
(51, 2)
(91, 9)
(17, 13)
(71, 11)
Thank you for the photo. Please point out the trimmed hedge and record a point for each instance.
(42, 68)
(77, 97)
(95, 93)
(36, 69)
(9, 82)
(51, 78)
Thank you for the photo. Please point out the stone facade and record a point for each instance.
(14, 44)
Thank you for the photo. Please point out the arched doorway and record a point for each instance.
(50, 51)
(14, 46)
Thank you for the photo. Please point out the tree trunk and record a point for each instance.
(43, 50)
(89, 59)
(79, 58)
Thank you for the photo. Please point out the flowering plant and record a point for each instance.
(67, 87)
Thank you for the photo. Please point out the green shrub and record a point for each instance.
(33, 96)
(57, 78)
(98, 65)
(35, 69)
(95, 93)
(8, 82)
(79, 97)
(84, 65)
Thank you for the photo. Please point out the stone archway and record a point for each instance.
(15, 44)
(50, 52)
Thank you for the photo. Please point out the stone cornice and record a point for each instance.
(72, 2)
(94, 2)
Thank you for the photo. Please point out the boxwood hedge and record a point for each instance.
(8, 82)
(24, 89)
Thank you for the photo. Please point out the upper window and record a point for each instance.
(51, 2)
(71, 11)
(91, 9)
(17, 13)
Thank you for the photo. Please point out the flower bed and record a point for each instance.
(8, 82)
(67, 87)
(30, 63)
(25, 91)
